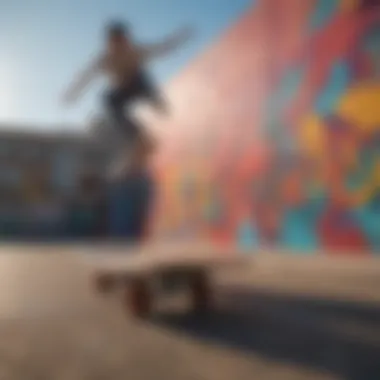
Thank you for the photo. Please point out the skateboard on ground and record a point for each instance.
(142, 278)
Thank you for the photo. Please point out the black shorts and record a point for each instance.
(139, 88)
(119, 98)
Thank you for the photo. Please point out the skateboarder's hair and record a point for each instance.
(117, 28)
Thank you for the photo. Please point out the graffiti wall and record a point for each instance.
(275, 132)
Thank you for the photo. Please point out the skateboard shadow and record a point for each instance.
(340, 337)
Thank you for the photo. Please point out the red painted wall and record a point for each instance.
(275, 131)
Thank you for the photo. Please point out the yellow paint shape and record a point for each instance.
(312, 135)
(361, 107)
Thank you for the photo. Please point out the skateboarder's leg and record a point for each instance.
(115, 101)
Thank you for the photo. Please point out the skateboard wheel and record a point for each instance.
(200, 292)
(139, 299)
(104, 283)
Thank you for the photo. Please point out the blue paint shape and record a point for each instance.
(299, 226)
(337, 84)
(368, 217)
(247, 236)
(297, 234)
(322, 14)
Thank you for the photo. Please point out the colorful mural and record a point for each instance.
(275, 135)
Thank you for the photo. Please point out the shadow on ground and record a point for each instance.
(340, 337)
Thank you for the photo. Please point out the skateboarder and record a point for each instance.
(124, 63)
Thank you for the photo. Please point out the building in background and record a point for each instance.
(40, 172)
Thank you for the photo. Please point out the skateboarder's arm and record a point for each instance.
(82, 81)
(168, 45)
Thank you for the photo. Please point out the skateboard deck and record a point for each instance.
(146, 273)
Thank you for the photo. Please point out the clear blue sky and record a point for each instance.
(43, 44)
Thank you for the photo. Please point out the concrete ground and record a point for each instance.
(280, 318)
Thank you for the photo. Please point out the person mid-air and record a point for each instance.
(123, 62)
